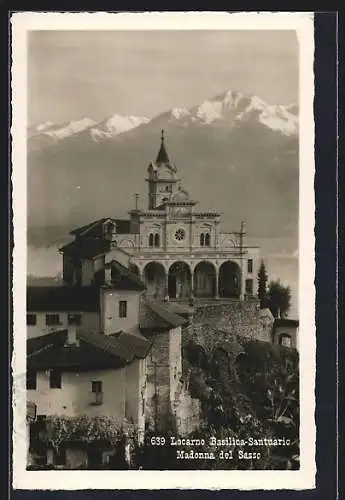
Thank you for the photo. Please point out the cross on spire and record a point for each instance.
(162, 156)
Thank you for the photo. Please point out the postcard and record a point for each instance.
(163, 214)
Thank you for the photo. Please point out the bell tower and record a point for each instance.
(161, 178)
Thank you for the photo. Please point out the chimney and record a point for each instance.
(107, 276)
(72, 335)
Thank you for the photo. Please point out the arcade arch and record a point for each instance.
(154, 277)
(179, 281)
(205, 280)
(229, 281)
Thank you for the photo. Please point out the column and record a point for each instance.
(216, 296)
(166, 285)
(192, 284)
(243, 279)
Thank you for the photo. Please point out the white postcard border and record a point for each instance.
(245, 480)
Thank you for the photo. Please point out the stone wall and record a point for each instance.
(168, 400)
(158, 405)
(216, 323)
(186, 411)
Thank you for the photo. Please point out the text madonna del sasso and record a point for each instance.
(187, 448)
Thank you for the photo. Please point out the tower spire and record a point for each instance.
(162, 156)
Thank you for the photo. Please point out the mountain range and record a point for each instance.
(233, 152)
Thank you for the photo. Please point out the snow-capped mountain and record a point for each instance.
(236, 108)
(44, 126)
(231, 107)
(49, 133)
(115, 125)
(71, 128)
(61, 131)
(246, 149)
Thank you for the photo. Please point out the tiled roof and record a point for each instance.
(124, 279)
(63, 298)
(159, 317)
(286, 322)
(85, 227)
(82, 357)
(37, 343)
(134, 341)
(179, 309)
(94, 351)
(86, 247)
(122, 225)
(108, 344)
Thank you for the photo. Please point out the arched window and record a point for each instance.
(156, 240)
(207, 240)
(202, 239)
(150, 240)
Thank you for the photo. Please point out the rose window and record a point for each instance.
(180, 234)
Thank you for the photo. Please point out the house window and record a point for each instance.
(31, 381)
(31, 319)
(52, 319)
(202, 239)
(250, 265)
(285, 340)
(249, 287)
(55, 379)
(150, 240)
(96, 392)
(123, 309)
(96, 386)
(156, 240)
(74, 319)
(207, 240)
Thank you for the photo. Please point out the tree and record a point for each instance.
(279, 299)
(262, 285)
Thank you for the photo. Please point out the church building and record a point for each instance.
(178, 251)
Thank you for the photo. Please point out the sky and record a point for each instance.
(95, 74)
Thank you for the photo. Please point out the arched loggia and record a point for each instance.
(179, 281)
(155, 280)
(205, 280)
(229, 281)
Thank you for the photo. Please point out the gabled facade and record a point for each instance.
(285, 332)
